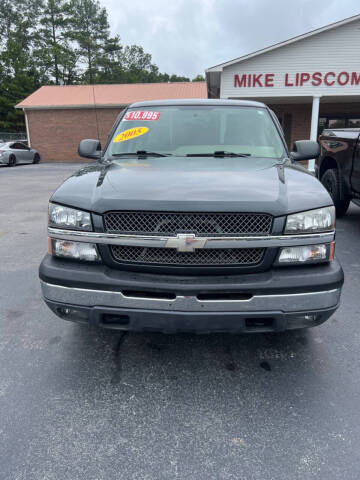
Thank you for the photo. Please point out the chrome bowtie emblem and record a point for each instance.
(185, 242)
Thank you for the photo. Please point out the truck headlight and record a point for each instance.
(306, 254)
(74, 250)
(319, 220)
(66, 217)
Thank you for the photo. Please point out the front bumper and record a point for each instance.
(276, 300)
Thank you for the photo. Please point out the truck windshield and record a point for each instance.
(196, 130)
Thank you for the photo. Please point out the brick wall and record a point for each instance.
(57, 133)
(300, 121)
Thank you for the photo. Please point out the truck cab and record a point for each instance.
(193, 217)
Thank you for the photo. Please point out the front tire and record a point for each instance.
(334, 184)
(12, 161)
(36, 158)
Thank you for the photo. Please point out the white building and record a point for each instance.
(311, 81)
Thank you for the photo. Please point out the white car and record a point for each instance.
(13, 153)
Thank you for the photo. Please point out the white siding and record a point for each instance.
(335, 51)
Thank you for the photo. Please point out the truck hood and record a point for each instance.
(193, 184)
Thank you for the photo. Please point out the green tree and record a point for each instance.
(90, 31)
(18, 73)
(54, 52)
(138, 65)
(178, 78)
(165, 77)
(198, 78)
(110, 67)
(131, 64)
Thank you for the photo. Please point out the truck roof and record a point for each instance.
(355, 129)
(198, 101)
(341, 132)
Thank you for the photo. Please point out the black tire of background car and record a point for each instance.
(36, 158)
(334, 184)
(12, 161)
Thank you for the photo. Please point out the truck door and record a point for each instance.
(355, 172)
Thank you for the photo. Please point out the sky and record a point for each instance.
(187, 36)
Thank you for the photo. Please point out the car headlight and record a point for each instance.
(74, 250)
(318, 220)
(306, 254)
(66, 217)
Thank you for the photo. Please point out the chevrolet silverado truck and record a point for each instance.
(194, 217)
(338, 166)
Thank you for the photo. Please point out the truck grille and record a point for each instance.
(201, 224)
(169, 256)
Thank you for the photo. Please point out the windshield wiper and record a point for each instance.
(141, 153)
(219, 153)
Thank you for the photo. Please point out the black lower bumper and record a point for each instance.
(276, 300)
(174, 322)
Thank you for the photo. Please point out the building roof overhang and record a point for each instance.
(304, 99)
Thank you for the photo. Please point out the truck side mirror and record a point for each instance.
(89, 148)
(305, 150)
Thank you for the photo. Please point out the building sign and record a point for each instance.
(300, 79)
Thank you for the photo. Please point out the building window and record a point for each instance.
(354, 123)
(336, 123)
(322, 124)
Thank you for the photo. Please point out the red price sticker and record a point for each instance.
(139, 115)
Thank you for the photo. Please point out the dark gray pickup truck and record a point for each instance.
(194, 217)
(338, 166)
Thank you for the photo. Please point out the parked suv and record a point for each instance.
(338, 167)
(194, 217)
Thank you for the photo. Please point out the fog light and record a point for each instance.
(72, 314)
(75, 250)
(307, 253)
(301, 321)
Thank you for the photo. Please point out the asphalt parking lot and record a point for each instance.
(80, 403)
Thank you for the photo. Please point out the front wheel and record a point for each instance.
(12, 161)
(334, 184)
(36, 158)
